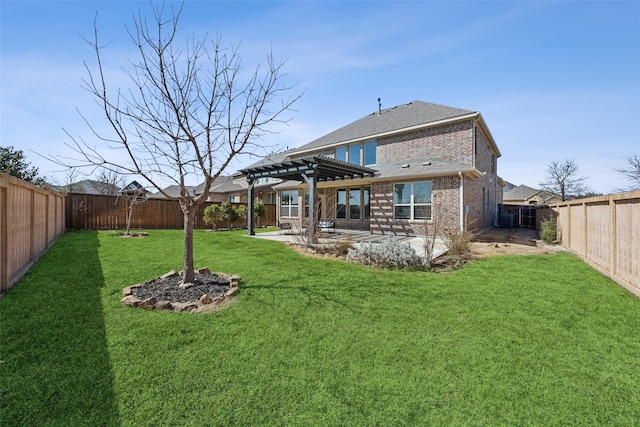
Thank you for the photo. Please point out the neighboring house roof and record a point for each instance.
(225, 185)
(222, 184)
(508, 186)
(523, 193)
(172, 191)
(89, 186)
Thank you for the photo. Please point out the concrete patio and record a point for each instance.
(356, 236)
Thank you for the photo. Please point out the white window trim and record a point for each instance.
(290, 205)
(361, 146)
(411, 203)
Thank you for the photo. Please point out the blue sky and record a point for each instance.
(553, 80)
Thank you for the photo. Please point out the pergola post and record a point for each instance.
(250, 214)
(313, 221)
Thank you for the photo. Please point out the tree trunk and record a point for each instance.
(188, 274)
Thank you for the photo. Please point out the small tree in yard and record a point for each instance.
(241, 212)
(190, 110)
(431, 231)
(259, 211)
(133, 197)
(212, 214)
(228, 213)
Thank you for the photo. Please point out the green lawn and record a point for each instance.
(514, 340)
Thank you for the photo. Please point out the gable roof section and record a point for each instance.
(172, 191)
(521, 192)
(415, 114)
(89, 186)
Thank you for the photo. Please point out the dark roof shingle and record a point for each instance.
(403, 116)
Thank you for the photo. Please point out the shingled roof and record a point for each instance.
(404, 116)
(521, 192)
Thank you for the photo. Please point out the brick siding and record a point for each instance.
(452, 143)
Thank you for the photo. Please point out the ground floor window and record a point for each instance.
(353, 203)
(289, 203)
(412, 200)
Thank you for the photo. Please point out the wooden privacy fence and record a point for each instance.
(605, 232)
(31, 218)
(98, 212)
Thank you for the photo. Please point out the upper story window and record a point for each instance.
(363, 154)
(234, 198)
(412, 200)
(354, 154)
(265, 180)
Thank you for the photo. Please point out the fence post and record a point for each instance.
(4, 258)
(613, 242)
(568, 225)
(32, 226)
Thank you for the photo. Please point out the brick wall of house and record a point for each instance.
(482, 194)
(452, 142)
(445, 208)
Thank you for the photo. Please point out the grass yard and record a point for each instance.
(511, 340)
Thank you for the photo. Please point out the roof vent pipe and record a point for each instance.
(379, 107)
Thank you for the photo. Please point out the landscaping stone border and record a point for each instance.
(205, 304)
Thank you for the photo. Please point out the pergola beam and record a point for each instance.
(312, 170)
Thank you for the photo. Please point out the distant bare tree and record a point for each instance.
(190, 111)
(109, 182)
(71, 182)
(631, 171)
(563, 179)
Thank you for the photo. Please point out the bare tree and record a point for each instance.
(563, 179)
(71, 182)
(431, 232)
(133, 197)
(190, 111)
(631, 171)
(109, 182)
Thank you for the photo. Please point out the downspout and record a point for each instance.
(473, 145)
(462, 214)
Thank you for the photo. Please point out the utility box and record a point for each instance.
(507, 220)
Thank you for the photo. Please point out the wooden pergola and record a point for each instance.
(311, 170)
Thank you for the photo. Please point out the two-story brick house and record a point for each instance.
(391, 171)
